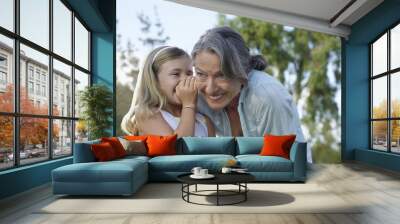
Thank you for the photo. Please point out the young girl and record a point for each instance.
(164, 100)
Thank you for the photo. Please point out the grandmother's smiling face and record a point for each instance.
(217, 89)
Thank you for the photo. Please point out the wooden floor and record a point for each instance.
(378, 188)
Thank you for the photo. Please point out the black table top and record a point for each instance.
(220, 178)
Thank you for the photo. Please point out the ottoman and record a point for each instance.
(118, 177)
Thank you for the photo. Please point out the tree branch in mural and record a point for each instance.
(153, 37)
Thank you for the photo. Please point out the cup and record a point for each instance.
(226, 170)
(203, 172)
(196, 170)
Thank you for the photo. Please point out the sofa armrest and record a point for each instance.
(83, 152)
(298, 155)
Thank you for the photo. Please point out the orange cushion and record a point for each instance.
(103, 151)
(161, 145)
(116, 145)
(277, 145)
(135, 138)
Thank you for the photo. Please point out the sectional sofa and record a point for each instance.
(125, 176)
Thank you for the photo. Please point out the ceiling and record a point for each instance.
(327, 16)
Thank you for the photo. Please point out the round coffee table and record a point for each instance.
(238, 179)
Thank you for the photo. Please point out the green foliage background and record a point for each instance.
(96, 102)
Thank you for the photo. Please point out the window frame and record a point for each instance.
(16, 114)
(388, 74)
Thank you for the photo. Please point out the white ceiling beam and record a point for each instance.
(268, 15)
(348, 12)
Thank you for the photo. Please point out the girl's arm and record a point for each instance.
(187, 93)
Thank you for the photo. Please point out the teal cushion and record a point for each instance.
(249, 145)
(206, 145)
(83, 153)
(257, 163)
(185, 163)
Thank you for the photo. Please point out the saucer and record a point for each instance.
(208, 176)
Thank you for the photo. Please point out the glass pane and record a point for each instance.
(395, 138)
(379, 135)
(81, 45)
(6, 74)
(35, 21)
(81, 81)
(7, 14)
(395, 47)
(379, 98)
(62, 138)
(379, 55)
(34, 97)
(62, 29)
(33, 139)
(395, 94)
(6, 142)
(62, 89)
(81, 131)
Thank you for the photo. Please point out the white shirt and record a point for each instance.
(200, 126)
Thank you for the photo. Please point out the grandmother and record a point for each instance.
(236, 94)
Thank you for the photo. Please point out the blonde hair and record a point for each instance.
(147, 94)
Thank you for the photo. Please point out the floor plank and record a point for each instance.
(376, 189)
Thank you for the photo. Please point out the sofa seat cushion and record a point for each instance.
(111, 171)
(185, 163)
(133, 158)
(257, 163)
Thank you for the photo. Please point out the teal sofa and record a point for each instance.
(125, 176)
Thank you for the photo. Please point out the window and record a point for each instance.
(62, 74)
(6, 73)
(53, 125)
(34, 21)
(3, 61)
(3, 78)
(37, 74)
(30, 72)
(81, 45)
(7, 14)
(30, 87)
(62, 29)
(3, 72)
(38, 89)
(385, 95)
(44, 91)
(44, 77)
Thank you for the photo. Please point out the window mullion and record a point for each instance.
(16, 84)
(389, 94)
(73, 81)
(50, 81)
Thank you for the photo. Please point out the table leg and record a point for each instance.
(217, 194)
(245, 193)
(196, 188)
